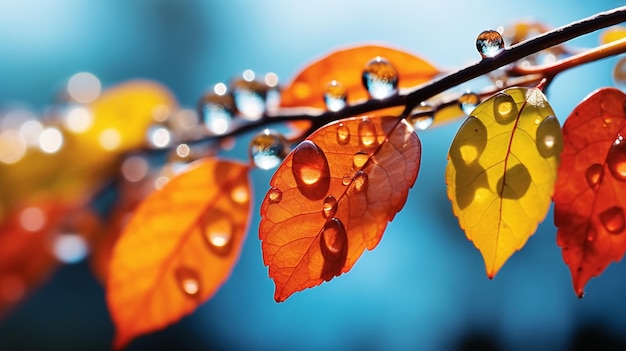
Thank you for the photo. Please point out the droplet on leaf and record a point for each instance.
(616, 159)
(593, 175)
(267, 149)
(275, 195)
(548, 139)
(217, 112)
(346, 179)
(334, 239)
(468, 102)
(422, 116)
(359, 159)
(489, 43)
(329, 207)
(218, 231)
(249, 96)
(360, 181)
(310, 170)
(380, 78)
(592, 233)
(343, 134)
(613, 219)
(188, 280)
(504, 108)
(367, 132)
(335, 96)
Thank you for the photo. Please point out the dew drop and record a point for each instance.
(329, 208)
(367, 132)
(592, 234)
(310, 170)
(489, 43)
(613, 219)
(268, 149)
(593, 175)
(548, 137)
(343, 134)
(217, 231)
(359, 159)
(335, 96)
(380, 78)
(468, 102)
(422, 116)
(334, 239)
(217, 112)
(249, 96)
(616, 158)
(346, 179)
(188, 280)
(274, 195)
(504, 108)
(360, 181)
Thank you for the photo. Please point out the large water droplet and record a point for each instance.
(367, 132)
(310, 170)
(504, 108)
(548, 138)
(380, 78)
(335, 96)
(218, 231)
(422, 116)
(361, 181)
(343, 134)
(274, 195)
(188, 281)
(334, 238)
(613, 219)
(593, 175)
(468, 102)
(359, 159)
(489, 43)
(329, 208)
(616, 158)
(267, 149)
(249, 96)
(217, 112)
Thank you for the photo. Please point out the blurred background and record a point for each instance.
(423, 288)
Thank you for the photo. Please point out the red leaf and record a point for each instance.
(178, 248)
(332, 198)
(590, 195)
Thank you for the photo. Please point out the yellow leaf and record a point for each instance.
(502, 170)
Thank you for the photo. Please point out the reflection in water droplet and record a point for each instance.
(380, 78)
(310, 170)
(330, 206)
(489, 43)
(360, 181)
(422, 116)
(504, 108)
(267, 149)
(346, 179)
(334, 238)
(249, 96)
(616, 158)
(548, 138)
(359, 159)
(188, 280)
(335, 96)
(468, 102)
(593, 175)
(613, 220)
(619, 74)
(343, 134)
(367, 132)
(217, 112)
(274, 195)
(218, 231)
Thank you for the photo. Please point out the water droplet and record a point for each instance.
(188, 280)
(489, 43)
(367, 132)
(267, 149)
(335, 96)
(593, 175)
(217, 112)
(346, 179)
(616, 158)
(504, 108)
(158, 136)
(613, 219)
(343, 134)
(380, 78)
(422, 116)
(70, 248)
(249, 96)
(359, 159)
(310, 170)
(274, 195)
(330, 206)
(334, 239)
(619, 74)
(548, 137)
(218, 231)
(468, 102)
(592, 234)
(360, 181)
(240, 195)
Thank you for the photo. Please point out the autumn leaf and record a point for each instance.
(178, 248)
(332, 197)
(589, 197)
(502, 170)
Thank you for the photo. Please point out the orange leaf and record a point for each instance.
(332, 198)
(346, 66)
(590, 193)
(178, 248)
